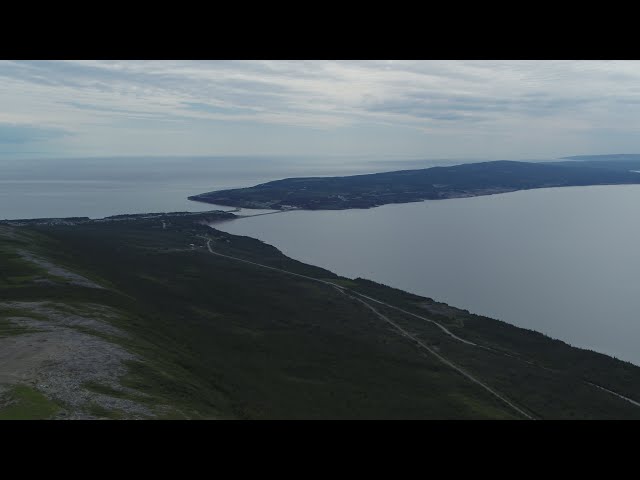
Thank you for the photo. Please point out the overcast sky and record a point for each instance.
(424, 109)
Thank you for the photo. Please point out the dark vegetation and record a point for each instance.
(219, 338)
(529, 354)
(365, 191)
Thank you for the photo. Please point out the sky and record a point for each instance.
(416, 109)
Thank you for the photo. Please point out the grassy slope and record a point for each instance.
(569, 365)
(26, 403)
(222, 339)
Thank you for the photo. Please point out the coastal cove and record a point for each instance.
(562, 261)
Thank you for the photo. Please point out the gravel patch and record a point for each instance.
(58, 271)
(87, 316)
(59, 359)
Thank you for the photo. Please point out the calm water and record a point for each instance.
(98, 187)
(565, 261)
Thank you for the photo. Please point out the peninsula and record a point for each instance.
(468, 180)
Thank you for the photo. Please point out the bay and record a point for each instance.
(562, 261)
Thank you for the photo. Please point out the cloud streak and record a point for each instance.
(212, 106)
(19, 134)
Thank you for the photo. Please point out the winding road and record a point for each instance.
(402, 331)
(349, 293)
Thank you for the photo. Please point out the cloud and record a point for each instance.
(497, 99)
(21, 134)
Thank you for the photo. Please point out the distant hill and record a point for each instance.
(468, 180)
(620, 161)
(610, 156)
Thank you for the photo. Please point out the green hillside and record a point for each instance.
(135, 317)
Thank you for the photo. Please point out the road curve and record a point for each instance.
(441, 327)
(340, 287)
(395, 325)
(440, 357)
(444, 329)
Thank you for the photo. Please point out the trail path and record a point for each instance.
(395, 325)
(344, 291)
